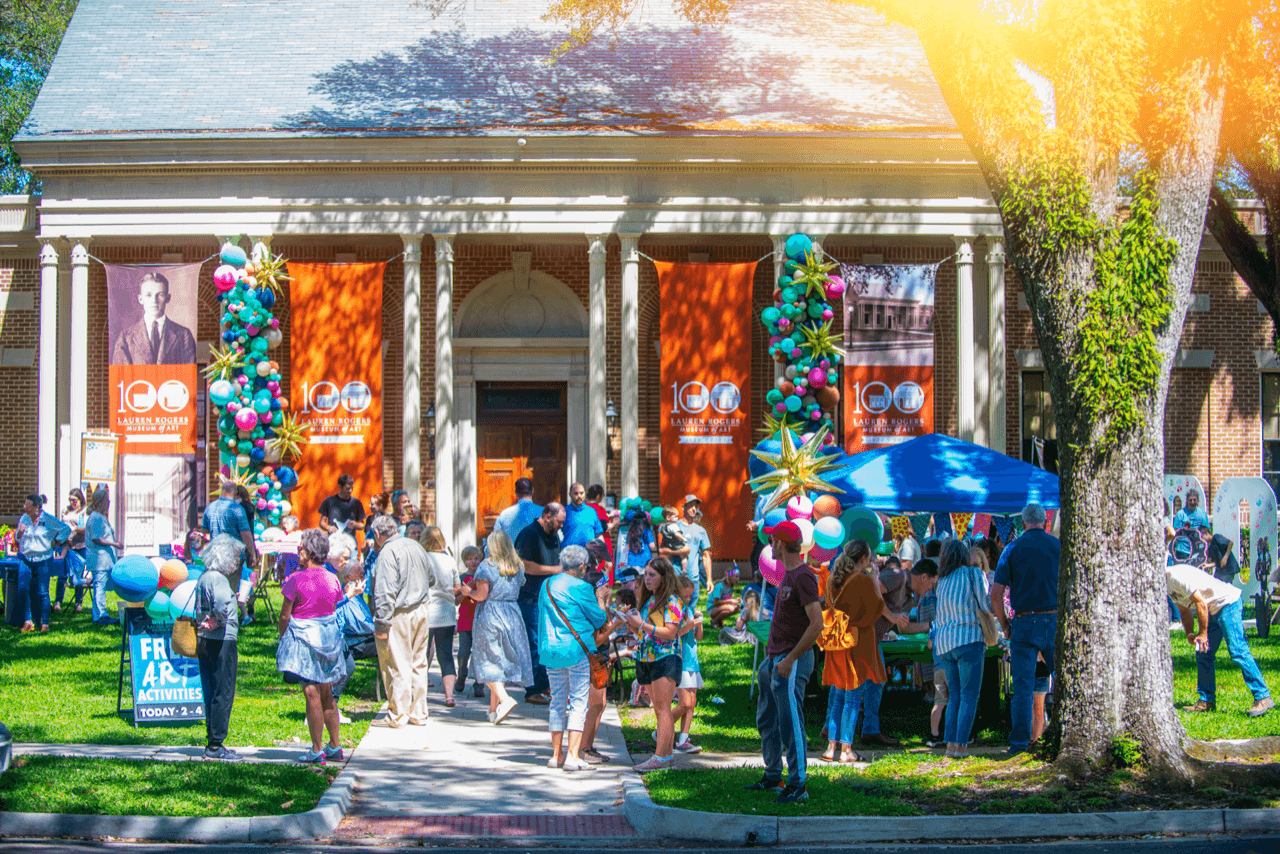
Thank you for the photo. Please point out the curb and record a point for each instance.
(657, 822)
(319, 821)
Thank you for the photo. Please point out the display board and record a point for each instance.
(164, 687)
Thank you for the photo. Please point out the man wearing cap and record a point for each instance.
(697, 550)
(1214, 605)
(787, 666)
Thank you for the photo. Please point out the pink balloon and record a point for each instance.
(771, 569)
(823, 554)
(246, 419)
(817, 378)
(799, 507)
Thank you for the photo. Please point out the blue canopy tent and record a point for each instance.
(935, 474)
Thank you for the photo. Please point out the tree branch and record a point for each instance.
(1242, 250)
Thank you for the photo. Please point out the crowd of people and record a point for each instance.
(545, 603)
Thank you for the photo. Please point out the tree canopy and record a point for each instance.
(30, 32)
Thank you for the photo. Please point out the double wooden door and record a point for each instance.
(514, 443)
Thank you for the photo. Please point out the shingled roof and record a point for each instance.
(391, 68)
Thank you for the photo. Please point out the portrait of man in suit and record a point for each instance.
(156, 338)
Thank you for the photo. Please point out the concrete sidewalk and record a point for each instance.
(460, 776)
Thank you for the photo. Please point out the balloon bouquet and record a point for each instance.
(166, 588)
(256, 434)
(826, 526)
(800, 338)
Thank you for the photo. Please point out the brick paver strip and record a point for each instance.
(482, 826)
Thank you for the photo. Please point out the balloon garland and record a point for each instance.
(800, 338)
(256, 434)
(630, 508)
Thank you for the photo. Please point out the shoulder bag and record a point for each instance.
(599, 663)
(986, 619)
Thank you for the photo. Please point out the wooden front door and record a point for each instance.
(521, 431)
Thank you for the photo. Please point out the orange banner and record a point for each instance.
(888, 340)
(153, 407)
(335, 379)
(706, 387)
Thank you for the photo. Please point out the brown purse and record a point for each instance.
(599, 663)
(183, 640)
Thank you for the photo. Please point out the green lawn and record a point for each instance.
(61, 687)
(730, 727)
(919, 784)
(55, 784)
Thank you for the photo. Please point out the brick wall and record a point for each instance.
(19, 329)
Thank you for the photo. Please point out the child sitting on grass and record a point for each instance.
(724, 601)
(750, 613)
(691, 675)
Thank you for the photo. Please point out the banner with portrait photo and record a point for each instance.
(705, 330)
(888, 340)
(151, 323)
(335, 378)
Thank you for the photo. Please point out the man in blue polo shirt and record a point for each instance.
(520, 515)
(1028, 568)
(581, 521)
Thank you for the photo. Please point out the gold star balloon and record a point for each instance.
(238, 476)
(290, 436)
(224, 362)
(772, 425)
(269, 270)
(796, 470)
(813, 276)
(821, 343)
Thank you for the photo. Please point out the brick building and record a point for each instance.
(531, 197)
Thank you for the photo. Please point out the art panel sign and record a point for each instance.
(151, 318)
(335, 377)
(1248, 501)
(165, 686)
(888, 340)
(706, 384)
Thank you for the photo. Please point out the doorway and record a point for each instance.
(521, 431)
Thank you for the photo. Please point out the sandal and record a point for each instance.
(827, 757)
(855, 757)
(450, 703)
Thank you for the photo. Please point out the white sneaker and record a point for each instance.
(343, 719)
(552, 763)
(577, 765)
(687, 747)
(655, 763)
(504, 709)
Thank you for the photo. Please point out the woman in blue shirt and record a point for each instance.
(640, 542)
(568, 618)
(39, 535)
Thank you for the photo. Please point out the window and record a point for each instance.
(1038, 422)
(866, 316)
(1271, 430)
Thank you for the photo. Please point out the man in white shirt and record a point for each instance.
(1214, 606)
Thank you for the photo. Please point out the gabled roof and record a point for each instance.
(388, 67)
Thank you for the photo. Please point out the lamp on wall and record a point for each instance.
(431, 430)
(611, 421)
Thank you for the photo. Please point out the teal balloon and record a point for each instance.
(862, 524)
(786, 345)
(816, 309)
(798, 245)
(770, 315)
(793, 403)
(244, 446)
(655, 515)
(158, 606)
(135, 578)
(233, 255)
(261, 406)
(773, 397)
(789, 295)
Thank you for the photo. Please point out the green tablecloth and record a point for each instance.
(916, 648)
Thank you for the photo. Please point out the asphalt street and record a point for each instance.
(1223, 844)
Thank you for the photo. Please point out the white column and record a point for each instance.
(597, 394)
(411, 476)
(260, 246)
(964, 335)
(445, 463)
(779, 268)
(47, 389)
(79, 409)
(630, 336)
(996, 402)
(464, 420)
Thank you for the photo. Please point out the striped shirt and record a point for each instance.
(956, 622)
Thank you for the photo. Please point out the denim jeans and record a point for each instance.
(35, 577)
(871, 705)
(963, 666)
(529, 612)
(842, 712)
(70, 572)
(780, 717)
(1033, 635)
(1226, 625)
(100, 578)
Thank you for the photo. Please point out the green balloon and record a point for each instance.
(655, 515)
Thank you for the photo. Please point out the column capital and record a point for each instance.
(80, 251)
(49, 250)
(233, 239)
(964, 248)
(995, 248)
(444, 246)
(630, 246)
(779, 245)
(412, 248)
(597, 245)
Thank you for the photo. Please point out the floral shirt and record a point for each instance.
(652, 649)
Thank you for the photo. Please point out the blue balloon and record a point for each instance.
(257, 455)
(266, 297)
(233, 255)
(135, 577)
(288, 478)
(775, 516)
(797, 246)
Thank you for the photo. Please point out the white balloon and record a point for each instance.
(806, 528)
(790, 372)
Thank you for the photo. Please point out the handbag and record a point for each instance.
(183, 641)
(986, 619)
(599, 663)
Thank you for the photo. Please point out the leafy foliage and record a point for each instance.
(30, 32)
